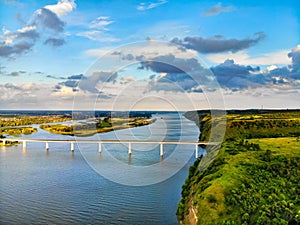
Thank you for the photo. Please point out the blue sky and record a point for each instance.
(251, 47)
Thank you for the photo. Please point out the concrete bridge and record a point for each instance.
(100, 142)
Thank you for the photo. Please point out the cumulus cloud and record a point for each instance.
(90, 83)
(218, 44)
(45, 18)
(176, 82)
(18, 42)
(150, 5)
(180, 73)
(71, 82)
(28, 33)
(287, 74)
(62, 7)
(76, 81)
(18, 48)
(235, 76)
(55, 42)
(295, 56)
(171, 64)
(217, 9)
(176, 74)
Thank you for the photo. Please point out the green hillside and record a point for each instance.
(254, 179)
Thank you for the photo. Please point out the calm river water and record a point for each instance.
(60, 187)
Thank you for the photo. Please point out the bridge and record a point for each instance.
(100, 142)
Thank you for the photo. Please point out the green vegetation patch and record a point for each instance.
(16, 131)
(102, 125)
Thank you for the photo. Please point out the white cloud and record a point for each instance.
(150, 5)
(242, 57)
(26, 28)
(9, 37)
(64, 92)
(101, 22)
(62, 7)
(97, 35)
(270, 68)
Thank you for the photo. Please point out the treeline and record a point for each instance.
(28, 120)
(58, 129)
(242, 125)
(263, 128)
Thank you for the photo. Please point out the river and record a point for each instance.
(84, 187)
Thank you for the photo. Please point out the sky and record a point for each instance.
(149, 55)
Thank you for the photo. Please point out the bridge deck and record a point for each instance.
(113, 141)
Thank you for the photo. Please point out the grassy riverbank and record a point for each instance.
(254, 179)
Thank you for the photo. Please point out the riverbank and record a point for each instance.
(255, 176)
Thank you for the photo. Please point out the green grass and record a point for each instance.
(289, 146)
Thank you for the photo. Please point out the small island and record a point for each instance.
(101, 125)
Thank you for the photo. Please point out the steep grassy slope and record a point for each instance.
(254, 179)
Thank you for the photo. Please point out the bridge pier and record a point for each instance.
(4, 142)
(100, 147)
(196, 151)
(24, 145)
(129, 149)
(47, 146)
(161, 150)
(72, 146)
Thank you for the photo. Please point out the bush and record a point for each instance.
(211, 198)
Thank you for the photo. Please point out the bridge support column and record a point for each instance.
(100, 147)
(129, 149)
(161, 150)
(196, 151)
(4, 142)
(47, 146)
(72, 146)
(24, 145)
